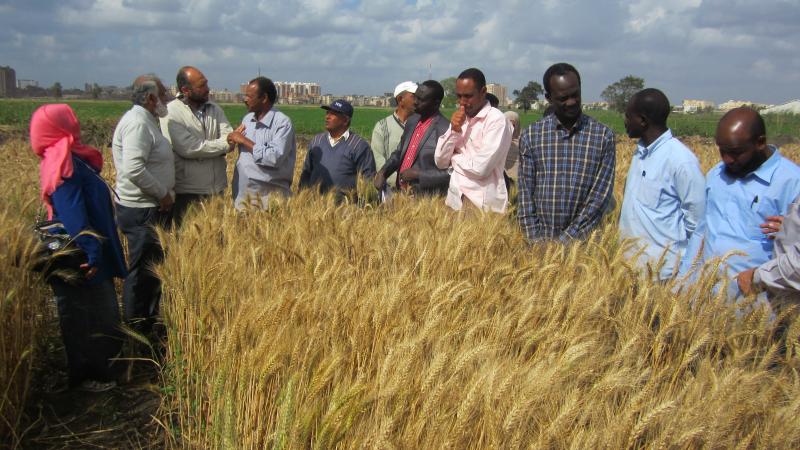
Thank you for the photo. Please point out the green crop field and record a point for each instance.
(309, 120)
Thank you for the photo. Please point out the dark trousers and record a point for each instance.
(89, 320)
(182, 204)
(141, 291)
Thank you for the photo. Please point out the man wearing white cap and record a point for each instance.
(388, 131)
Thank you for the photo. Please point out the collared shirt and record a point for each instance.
(566, 177)
(413, 145)
(735, 207)
(782, 274)
(269, 167)
(143, 159)
(476, 156)
(664, 201)
(333, 141)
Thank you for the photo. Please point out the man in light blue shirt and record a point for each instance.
(752, 183)
(267, 149)
(665, 188)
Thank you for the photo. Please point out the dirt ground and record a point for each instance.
(122, 418)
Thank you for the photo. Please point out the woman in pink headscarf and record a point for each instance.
(76, 195)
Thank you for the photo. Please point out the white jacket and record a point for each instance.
(199, 147)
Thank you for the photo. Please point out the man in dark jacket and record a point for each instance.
(413, 158)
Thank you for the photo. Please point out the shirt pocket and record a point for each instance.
(757, 214)
(648, 193)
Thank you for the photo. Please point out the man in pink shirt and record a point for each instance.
(475, 148)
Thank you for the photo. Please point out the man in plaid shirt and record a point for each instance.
(566, 173)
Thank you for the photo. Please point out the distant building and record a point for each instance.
(298, 93)
(22, 84)
(731, 104)
(499, 91)
(8, 82)
(596, 106)
(691, 106)
(792, 107)
(293, 92)
(223, 96)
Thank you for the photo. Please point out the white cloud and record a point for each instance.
(687, 47)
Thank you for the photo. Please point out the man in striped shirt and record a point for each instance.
(566, 173)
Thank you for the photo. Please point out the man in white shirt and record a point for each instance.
(198, 131)
(145, 181)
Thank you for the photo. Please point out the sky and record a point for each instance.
(700, 49)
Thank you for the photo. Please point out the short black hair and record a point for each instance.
(266, 86)
(653, 105)
(181, 79)
(558, 69)
(475, 75)
(493, 100)
(437, 88)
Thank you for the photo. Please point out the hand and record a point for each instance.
(240, 129)
(745, 281)
(90, 271)
(772, 226)
(410, 174)
(458, 119)
(165, 204)
(235, 137)
(379, 181)
(239, 140)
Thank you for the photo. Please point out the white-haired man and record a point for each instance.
(145, 181)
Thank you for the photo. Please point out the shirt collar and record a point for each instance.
(484, 111)
(267, 120)
(142, 110)
(645, 151)
(768, 168)
(577, 126)
(345, 136)
(399, 122)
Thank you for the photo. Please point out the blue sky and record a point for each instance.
(703, 49)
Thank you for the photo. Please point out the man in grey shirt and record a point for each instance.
(267, 149)
(145, 180)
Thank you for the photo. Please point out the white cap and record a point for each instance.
(409, 86)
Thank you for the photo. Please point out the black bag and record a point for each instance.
(57, 254)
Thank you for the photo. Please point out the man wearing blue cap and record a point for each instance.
(336, 157)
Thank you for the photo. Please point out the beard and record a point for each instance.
(199, 99)
(161, 109)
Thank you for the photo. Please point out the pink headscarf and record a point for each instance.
(55, 136)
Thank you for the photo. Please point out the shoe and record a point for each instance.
(97, 386)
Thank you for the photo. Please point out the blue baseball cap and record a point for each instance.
(340, 106)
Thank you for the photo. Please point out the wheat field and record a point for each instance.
(317, 325)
